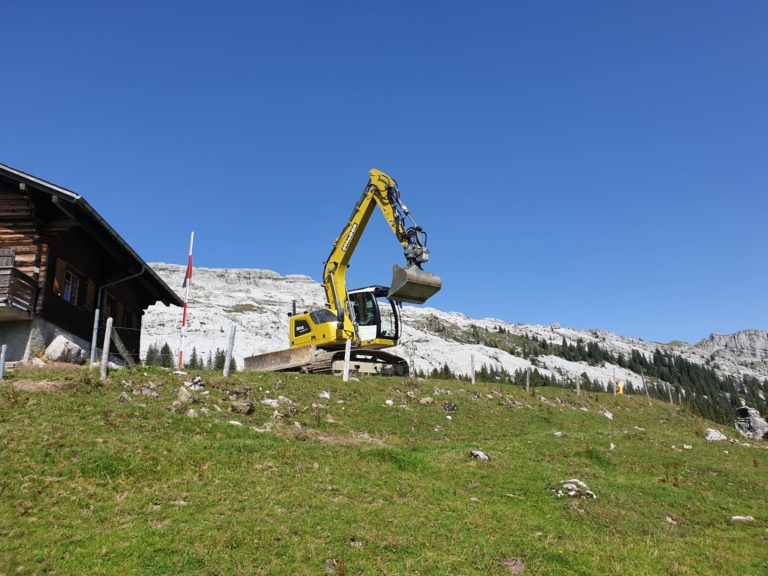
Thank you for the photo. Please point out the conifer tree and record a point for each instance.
(219, 358)
(151, 359)
(166, 356)
(193, 362)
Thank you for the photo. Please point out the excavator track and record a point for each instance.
(362, 361)
(306, 359)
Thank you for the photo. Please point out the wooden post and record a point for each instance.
(3, 350)
(527, 379)
(347, 353)
(472, 367)
(122, 349)
(614, 382)
(230, 346)
(578, 385)
(645, 385)
(105, 350)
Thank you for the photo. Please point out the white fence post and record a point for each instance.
(347, 353)
(230, 346)
(472, 367)
(105, 350)
(3, 350)
(527, 379)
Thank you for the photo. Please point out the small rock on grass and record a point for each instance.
(479, 455)
(713, 435)
(185, 396)
(742, 519)
(426, 401)
(450, 406)
(574, 488)
(514, 565)
(191, 413)
(241, 407)
(607, 413)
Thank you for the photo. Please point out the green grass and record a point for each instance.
(90, 485)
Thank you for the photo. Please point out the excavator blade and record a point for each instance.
(412, 284)
(288, 359)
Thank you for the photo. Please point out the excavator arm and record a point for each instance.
(410, 284)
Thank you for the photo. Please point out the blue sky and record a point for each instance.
(597, 164)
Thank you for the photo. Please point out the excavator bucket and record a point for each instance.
(412, 284)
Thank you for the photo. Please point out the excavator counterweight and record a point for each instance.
(412, 284)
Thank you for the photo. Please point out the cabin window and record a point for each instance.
(71, 287)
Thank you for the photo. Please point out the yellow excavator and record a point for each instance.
(367, 317)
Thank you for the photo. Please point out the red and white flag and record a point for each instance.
(188, 275)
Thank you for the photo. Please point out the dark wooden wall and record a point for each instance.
(44, 239)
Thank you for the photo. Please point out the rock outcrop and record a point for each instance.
(750, 424)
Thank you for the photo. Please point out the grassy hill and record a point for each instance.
(351, 485)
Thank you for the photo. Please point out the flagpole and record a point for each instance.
(187, 282)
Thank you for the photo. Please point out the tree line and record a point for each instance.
(163, 356)
(666, 374)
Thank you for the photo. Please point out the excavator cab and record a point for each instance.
(377, 319)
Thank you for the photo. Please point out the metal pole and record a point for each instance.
(230, 346)
(94, 338)
(105, 350)
(472, 367)
(347, 353)
(187, 282)
(3, 349)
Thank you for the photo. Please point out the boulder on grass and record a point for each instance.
(62, 349)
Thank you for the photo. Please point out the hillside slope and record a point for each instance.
(368, 477)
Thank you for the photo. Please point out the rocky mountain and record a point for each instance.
(257, 302)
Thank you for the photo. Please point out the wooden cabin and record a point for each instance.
(57, 256)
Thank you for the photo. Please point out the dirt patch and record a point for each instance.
(39, 385)
(311, 435)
